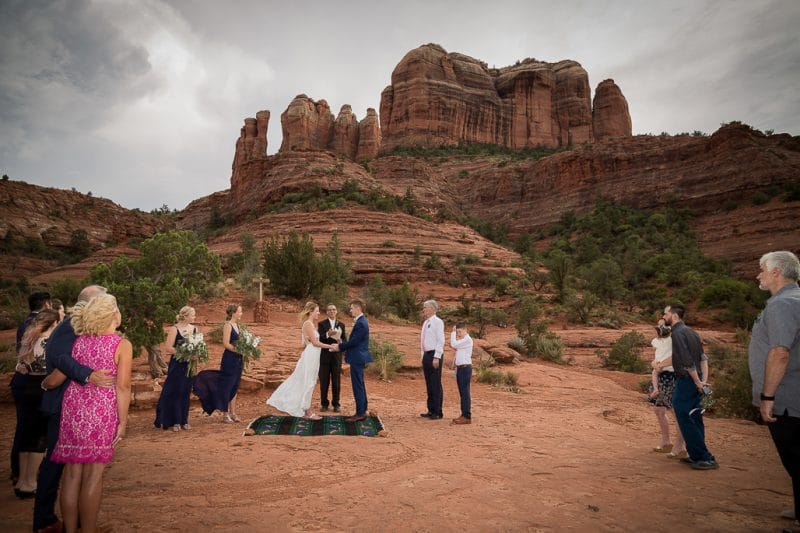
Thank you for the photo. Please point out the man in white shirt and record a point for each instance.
(462, 362)
(431, 344)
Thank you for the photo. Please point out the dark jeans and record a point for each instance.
(463, 378)
(686, 405)
(330, 373)
(433, 383)
(44, 506)
(786, 436)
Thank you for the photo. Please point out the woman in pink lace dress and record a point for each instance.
(93, 419)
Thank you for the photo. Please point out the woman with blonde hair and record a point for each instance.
(172, 410)
(94, 419)
(217, 388)
(293, 396)
(32, 422)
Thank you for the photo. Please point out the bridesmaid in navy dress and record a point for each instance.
(217, 388)
(173, 404)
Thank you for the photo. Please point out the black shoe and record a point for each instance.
(426, 415)
(25, 494)
(435, 417)
(687, 460)
(705, 465)
(324, 408)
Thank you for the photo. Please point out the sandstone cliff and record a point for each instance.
(440, 98)
(46, 218)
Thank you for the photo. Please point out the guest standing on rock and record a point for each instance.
(431, 350)
(774, 358)
(172, 410)
(662, 388)
(217, 388)
(687, 355)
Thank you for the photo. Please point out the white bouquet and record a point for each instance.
(193, 350)
(247, 345)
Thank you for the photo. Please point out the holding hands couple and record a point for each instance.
(293, 396)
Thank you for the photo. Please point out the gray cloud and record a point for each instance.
(142, 102)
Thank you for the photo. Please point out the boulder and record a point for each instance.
(344, 140)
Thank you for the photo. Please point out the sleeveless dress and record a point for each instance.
(89, 413)
(34, 421)
(216, 388)
(173, 404)
(293, 396)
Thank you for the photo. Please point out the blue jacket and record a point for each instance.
(357, 348)
(58, 354)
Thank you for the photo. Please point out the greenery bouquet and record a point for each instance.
(247, 345)
(193, 350)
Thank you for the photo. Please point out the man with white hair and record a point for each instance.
(774, 358)
(431, 345)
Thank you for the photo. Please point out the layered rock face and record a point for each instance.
(438, 98)
(310, 125)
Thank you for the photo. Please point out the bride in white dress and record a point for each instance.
(293, 396)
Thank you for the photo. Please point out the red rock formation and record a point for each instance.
(344, 140)
(369, 136)
(252, 141)
(445, 98)
(306, 124)
(610, 116)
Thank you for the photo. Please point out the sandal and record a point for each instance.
(176, 427)
(235, 418)
(313, 416)
(664, 448)
(227, 419)
(186, 426)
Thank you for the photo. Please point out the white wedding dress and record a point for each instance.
(293, 396)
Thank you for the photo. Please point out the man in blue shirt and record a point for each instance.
(687, 356)
(58, 353)
(774, 358)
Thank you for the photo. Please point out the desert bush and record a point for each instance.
(216, 334)
(67, 290)
(8, 357)
(517, 344)
(484, 373)
(528, 324)
(732, 383)
(549, 347)
(739, 301)
(381, 300)
(432, 262)
(625, 353)
(580, 308)
(386, 359)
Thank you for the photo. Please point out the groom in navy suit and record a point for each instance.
(357, 356)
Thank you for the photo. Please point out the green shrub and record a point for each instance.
(386, 359)
(549, 347)
(625, 353)
(732, 383)
(739, 301)
(433, 262)
(517, 344)
(67, 290)
(381, 300)
(485, 374)
(502, 286)
(759, 198)
(580, 308)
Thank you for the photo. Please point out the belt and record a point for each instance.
(464, 366)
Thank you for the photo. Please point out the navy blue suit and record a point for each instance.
(59, 356)
(357, 356)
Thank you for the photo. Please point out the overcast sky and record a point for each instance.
(141, 101)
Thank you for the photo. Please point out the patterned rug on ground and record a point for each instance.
(329, 425)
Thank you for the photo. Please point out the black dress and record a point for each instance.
(173, 404)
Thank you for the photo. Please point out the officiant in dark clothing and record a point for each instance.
(331, 331)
